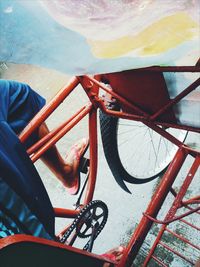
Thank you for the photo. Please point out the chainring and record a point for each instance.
(95, 214)
(92, 217)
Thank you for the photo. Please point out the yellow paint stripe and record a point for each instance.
(157, 38)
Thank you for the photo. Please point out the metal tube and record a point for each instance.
(93, 156)
(158, 198)
(172, 211)
(47, 137)
(174, 101)
(118, 97)
(128, 116)
(60, 134)
(65, 213)
(182, 238)
(190, 224)
(175, 252)
(159, 261)
(169, 69)
(45, 112)
(173, 218)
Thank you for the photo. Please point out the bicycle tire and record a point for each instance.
(109, 131)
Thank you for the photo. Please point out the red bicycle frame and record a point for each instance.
(91, 85)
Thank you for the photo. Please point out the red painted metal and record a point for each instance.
(45, 112)
(182, 238)
(191, 201)
(170, 69)
(132, 111)
(93, 156)
(170, 217)
(148, 91)
(174, 101)
(144, 116)
(66, 213)
(159, 261)
(175, 252)
(165, 134)
(145, 224)
(186, 184)
(121, 99)
(47, 137)
(174, 218)
(92, 90)
(131, 106)
(190, 224)
(189, 208)
(61, 133)
(128, 116)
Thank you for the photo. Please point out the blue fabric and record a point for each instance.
(15, 215)
(18, 104)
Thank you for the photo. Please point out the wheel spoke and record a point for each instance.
(138, 152)
(142, 151)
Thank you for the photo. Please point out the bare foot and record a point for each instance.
(71, 166)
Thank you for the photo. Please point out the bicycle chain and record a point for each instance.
(80, 217)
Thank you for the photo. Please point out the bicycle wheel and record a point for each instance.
(134, 152)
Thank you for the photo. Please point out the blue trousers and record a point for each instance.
(24, 203)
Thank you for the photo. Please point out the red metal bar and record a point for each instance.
(182, 238)
(192, 151)
(134, 107)
(60, 134)
(174, 218)
(159, 261)
(148, 123)
(120, 114)
(93, 156)
(118, 97)
(47, 137)
(153, 248)
(189, 208)
(129, 116)
(185, 186)
(146, 120)
(170, 69)
(60, 234)
(162, 132)
(158, 198)
(176, 203)
(190, 224)
(175, 252)
(193, 200)
(66, 213)
(44, 113)
(178, 126)
(92, 90)
(174, 101)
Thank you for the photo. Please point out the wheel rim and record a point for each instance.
(143, 152)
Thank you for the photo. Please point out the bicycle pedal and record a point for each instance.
(84, 164)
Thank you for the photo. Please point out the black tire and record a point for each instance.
(109, 134)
